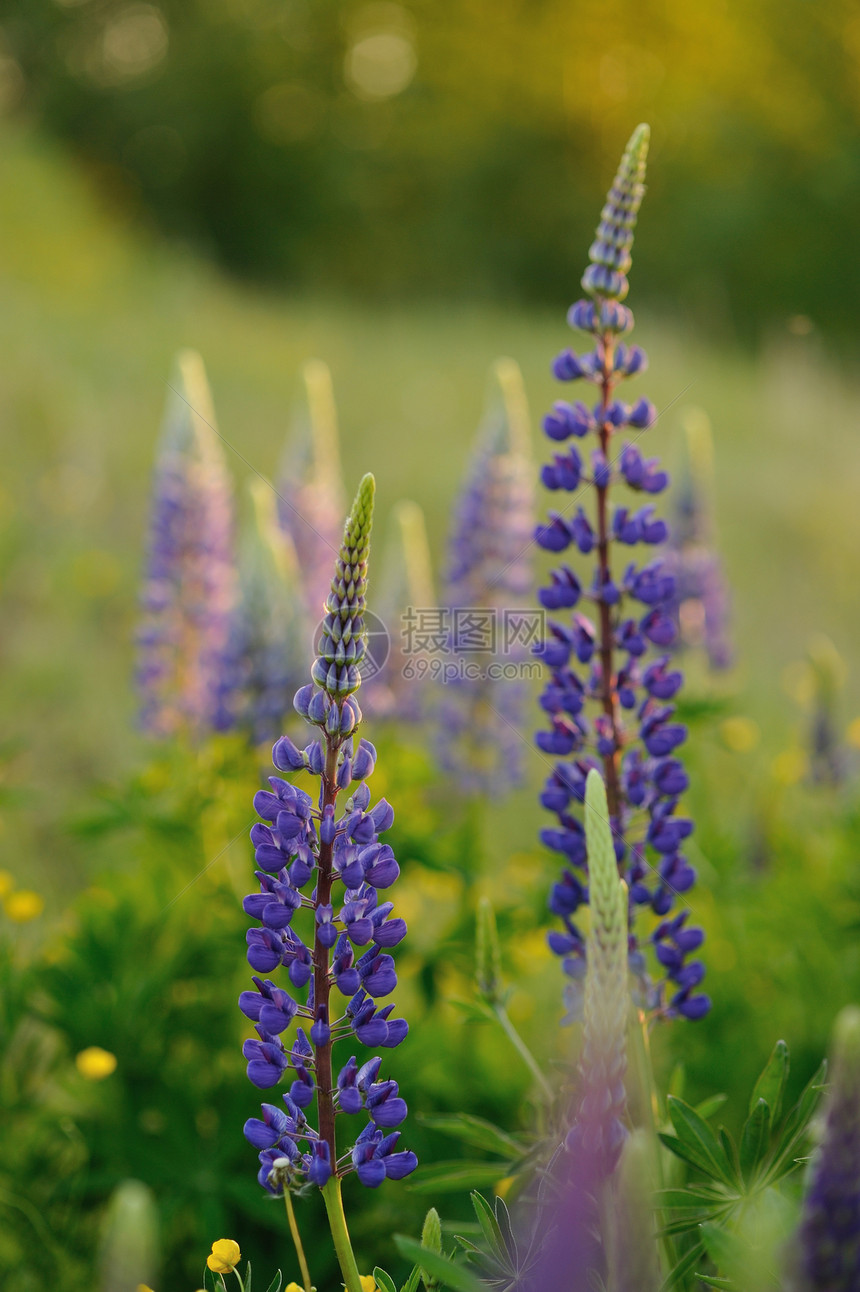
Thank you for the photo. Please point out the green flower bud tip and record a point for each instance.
(488, 955)
(609, 254)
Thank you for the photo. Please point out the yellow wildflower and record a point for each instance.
(740, 734)
(224, 1256)
(94, 1063)
(24, 906)
(368, 1283)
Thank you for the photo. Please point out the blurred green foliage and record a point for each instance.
(454, 148)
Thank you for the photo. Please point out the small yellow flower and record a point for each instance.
(790, 766)
(852, 735)
(141, 1287)
(94, 1063)
(7, 883)
(293, 1287)
(740, 734)
(24, 906)
(224, 1256)
(368, 1283)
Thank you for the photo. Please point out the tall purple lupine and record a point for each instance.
(190, 584)
(487, 582)
(301, 843)
(611, 665)
(311, 501)
(828, 1250)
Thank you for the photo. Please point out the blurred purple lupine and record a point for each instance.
(829, 1236)
(399, 689)
(310, 489)
(702, 602)
(486, 588)
(298, 844)
(265, 658)
(190, 586)
(614, 663)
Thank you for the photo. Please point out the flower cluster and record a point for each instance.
(299, 843)
(487, 580)
(614, 660)
(190, 586)
(830, 1226)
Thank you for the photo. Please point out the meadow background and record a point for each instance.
(254, 180)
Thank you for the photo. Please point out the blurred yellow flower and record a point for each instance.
(224, 1256)
(368, 1283)
(7, 883)
(293, 1287)
(142, 1287)
(852, 735)
(24, 906)
(790, 766)
(740, 734)
(94, 1063)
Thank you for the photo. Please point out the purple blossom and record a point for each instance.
(608, 697)
(304, 843)
(487, 581)
(190, 586)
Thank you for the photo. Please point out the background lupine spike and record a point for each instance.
(701, 589)
(311, 489)
(404, 593)
(130, 1248)
(489, 569)
(266, 657)
(190, 586)
(601, 680)
(829, 1235)
(603, 1061)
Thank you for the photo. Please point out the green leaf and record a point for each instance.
(475, 1011)
(275, 1285)
(247, 1284)
(478, 1133)
(489, 1225)
(452, 1276)
(411, 1284)
(771, 1084)
(383, 1281)
(699, 1140)
(446, 1176)
(795, 1128)
(503, 1219)
(731, 1153)
(755, 1139)
(687, 1262)
(677, 1081)
(682, 1199)
(708, 1107)
(720, 1246)
(711, 1281)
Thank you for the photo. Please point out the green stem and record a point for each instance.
(523, 1051)
(297, 1239)
(340, 1235)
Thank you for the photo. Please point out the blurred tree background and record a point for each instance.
(454, 147)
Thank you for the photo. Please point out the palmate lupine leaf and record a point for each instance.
(447, 1273)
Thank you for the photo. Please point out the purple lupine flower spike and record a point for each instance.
(406, 595)
(701, 602)
(829, 1237)
(310, 489)
(608, 701)
(339, 967)
(190, 586)
(485, 597)
(265, 657)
